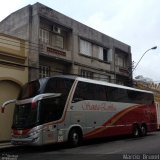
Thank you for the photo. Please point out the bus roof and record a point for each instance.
(101, 82)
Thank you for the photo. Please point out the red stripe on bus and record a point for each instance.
(111, 121)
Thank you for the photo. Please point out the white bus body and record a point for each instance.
(68, 108)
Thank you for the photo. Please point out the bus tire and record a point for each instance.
(75, 137)
(136, 131)
(143, 130)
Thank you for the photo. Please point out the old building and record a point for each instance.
(61, 45)
(13, 74)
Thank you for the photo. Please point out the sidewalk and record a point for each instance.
(4, 145)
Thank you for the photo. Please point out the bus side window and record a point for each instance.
(79, 93)
(140, 97)
(89, 91)
(100, 93)
(116, 94)
(95, 92)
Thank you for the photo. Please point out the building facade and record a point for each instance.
(61, 45)
(13, 74)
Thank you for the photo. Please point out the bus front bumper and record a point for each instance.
(26, 141)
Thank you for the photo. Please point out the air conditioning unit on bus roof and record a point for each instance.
(56, 29)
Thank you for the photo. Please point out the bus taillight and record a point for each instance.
(34, 104)
(20, 132)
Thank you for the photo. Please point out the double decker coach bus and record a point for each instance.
(68, 108)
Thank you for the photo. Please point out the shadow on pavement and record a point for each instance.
(56, 147)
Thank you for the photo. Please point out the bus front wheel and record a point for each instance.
(74, 137)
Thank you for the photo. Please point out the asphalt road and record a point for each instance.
(116, 148)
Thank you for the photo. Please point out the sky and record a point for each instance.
(134, 22)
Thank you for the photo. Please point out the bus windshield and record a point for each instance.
(25, 116)
(50, 109)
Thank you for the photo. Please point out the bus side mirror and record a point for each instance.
(6, 103)
(2, 109)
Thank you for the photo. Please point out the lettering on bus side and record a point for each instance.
(98, 107)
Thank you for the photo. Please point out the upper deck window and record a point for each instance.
(29, 90)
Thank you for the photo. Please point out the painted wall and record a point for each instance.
(13, 74)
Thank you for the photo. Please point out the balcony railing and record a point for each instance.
(55, 52)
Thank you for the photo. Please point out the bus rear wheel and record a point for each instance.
(74, 138)
(143, 130)
(136, 131)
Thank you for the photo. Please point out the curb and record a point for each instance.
(6, 145)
